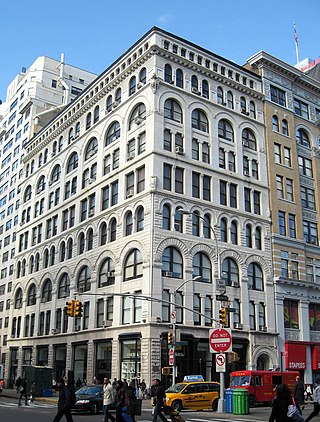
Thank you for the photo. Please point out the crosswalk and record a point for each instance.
(32, 405)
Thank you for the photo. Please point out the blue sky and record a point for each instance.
(93, 33)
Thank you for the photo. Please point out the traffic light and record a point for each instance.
(167, 370)
(223, 316)
(70, 308)
(170, 339)
(78, 308)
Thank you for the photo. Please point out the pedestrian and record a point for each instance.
(281, 403)
(158, 395)
(78, 383)
(32, 392)
(18, 384)
(298, 392)
(130, 396)
(316, 401)
(64, 402)
(143, 387)
(309, 392)
(23, 392)
(119, 400)
(107, 399)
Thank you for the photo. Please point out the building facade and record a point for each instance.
(292, 116)
(155, 187)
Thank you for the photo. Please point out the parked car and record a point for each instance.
(89, 398)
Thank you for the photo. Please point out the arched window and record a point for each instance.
(230, 102)
(248, 139)
(88, 121)
(113, 230)
(32, 167)
(234, 232)
(96, 114)
(243, 105)
(109, 103)
(248, 236)
(18, 299)
(302, 138)
(225, 130)
(31, 295)
(31, 265)
(23, 268)
(220, 99)
(140, 219)
(73, 162)
(53, 152)
(252, 109)
(132, 85)
(137, 116)
(64, 286)
(40, 160)
(56, 173)
(223, 230)
(70, 136)
(168, 73)
(28, 167)
(89, 240)
(195, 224)
(179, 78)
(172, 264)
(172, 110)
(81, 243)
(257, 238)
(230, 272)
(37, 262)
(194, 84)
(205, 89)
(69, 249)
(207, 226)
(201, 266)
(27, 194)
(41, 185)
(103, 234)
(19, 269)
(106, 273)
(46, 295)
(45, 156)
(77, 130)
(133, 265)
(46, 258)
(52, 255)
(285, 127)
(255, 277)
(92, 148)
(84, 279)
(143, 76)
(166, 217)
(178, 220)
(60, 143)
(128, 223)
(117, 96)
(62, 251)
(275, 123)
(113, 133)
(199, 120)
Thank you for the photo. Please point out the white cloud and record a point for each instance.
(164, 18)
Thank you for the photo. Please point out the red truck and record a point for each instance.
(261, 384)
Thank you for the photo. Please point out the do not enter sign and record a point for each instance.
(220, 340)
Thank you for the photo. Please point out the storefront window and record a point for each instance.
(42, 355)
(59, 362)
(291, 314)
(103, 361)
(80, 353)
(130, 359)
(314, 317)
(27, 356)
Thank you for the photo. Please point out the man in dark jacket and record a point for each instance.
(64, 403)
(158, 394)
(298, 392)
(23, 392)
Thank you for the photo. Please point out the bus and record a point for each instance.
(261, 384)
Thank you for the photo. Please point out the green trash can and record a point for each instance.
(240, 401)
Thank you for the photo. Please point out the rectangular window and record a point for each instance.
(126, 310)
(278, 96)
(295, 270)
(205, 153)
(310, 232)
(105, 198)
(287, 156)
(256, 202)
(282, 223)
(247, 199)
(291, 313)
(222, 158)
(197, 308)
(301, 108)
(114, 193)
(223, 192)
(208, 310)
(179, 172)
(195, 185)
(141, 179)
(277, 153)
(292, 225)
(289, 188)
(233, 195)
(284, 264)
(314, 317)
(307, 198)
(167, 169)
(206, 183)
(279, 180)
(252, 315)
(305, 166)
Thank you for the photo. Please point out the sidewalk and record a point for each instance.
(7, 392)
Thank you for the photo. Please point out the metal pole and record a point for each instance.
(174, 327)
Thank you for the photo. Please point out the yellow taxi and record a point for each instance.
(193, 395)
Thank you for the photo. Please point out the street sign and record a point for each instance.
(173, 315)
(171, 356)
(222, 297)
(231, 310)
(220, 340)
(220, 362)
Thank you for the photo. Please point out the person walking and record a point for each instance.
(130, 396)
(119, 400)
(298, 392)
(64, 402)
(281, 403)
(158, 394)
(316, 402)
(309, 392)
(23, 392)
(107, 399)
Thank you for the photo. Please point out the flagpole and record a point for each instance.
(296, 42)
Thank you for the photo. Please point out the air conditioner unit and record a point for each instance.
(246, 172)
(167, 274)
(130, 156)
(130, 193)
(235, 284)
(262, 328)
(195, 91)
(179, 150)
(91, 213)
(238, 326)
(245, 143)
(138, 120)
(106, 323)
(77, 328)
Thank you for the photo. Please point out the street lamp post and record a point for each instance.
(221, 402)
(174, 325)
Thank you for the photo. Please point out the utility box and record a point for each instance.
(42, 376)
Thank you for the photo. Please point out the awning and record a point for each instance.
(295, 356)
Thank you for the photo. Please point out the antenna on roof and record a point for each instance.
(296, 41)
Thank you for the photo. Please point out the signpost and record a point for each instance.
(222, 298)
(171, 356)
(220, 362)
(220, 340)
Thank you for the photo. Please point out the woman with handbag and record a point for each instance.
(284, 405)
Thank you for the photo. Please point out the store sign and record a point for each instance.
(296, 356)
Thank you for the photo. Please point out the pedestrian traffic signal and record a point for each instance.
(167, 370)
(70, 308)
(223, 316)
(170, 339)
(78, 308)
